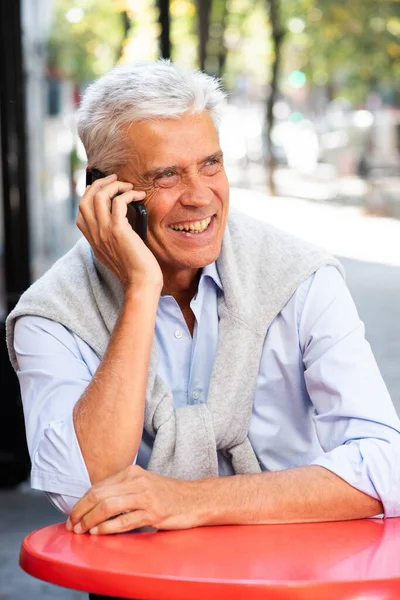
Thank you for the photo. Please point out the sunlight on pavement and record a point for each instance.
(341, 230)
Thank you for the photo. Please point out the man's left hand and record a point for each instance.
(136, 498)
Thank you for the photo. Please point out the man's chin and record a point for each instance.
(190, 262)
(177, 257)
(198, 263)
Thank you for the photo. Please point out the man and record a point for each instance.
(218, 347)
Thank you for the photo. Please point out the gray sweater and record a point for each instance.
(260, 269)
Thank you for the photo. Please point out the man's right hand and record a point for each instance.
(103, 221)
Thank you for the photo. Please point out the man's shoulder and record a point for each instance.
(262, 267)
(66, 275)
(64, 294)
(259, 243)
(251, 230)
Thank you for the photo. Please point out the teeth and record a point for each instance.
(196, 227)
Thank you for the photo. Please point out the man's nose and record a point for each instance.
(195, 192)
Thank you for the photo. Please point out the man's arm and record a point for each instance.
(140, 498)
(354, 417)
(299, 495)
(55, 369)
(108, 418)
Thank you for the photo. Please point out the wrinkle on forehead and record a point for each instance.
(160, 130)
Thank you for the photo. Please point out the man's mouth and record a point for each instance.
(192, 226)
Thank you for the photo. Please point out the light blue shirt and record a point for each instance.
(319, 399)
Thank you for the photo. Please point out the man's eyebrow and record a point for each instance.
(161, 170)
(215, 155)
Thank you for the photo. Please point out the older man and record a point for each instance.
(221, 346)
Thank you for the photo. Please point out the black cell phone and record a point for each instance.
(137, 213)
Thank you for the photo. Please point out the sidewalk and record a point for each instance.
(340, 229)
(377, 194)
(369, 248)
(22, 511)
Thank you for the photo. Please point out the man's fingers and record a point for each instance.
(108, 508)
(83, 227)
(116, 485)
(122, 523)
(102, 207)
(110, 190)
(108, 204)
(119, 204)
(99, 183)
(80, 222)
(95, 196)
(91, 499)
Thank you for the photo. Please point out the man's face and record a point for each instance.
(178, 163)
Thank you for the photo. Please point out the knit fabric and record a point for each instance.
(260, 269)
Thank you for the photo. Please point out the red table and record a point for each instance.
(320, 561)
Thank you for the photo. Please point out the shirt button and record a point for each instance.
(178, 334)
(196, 395)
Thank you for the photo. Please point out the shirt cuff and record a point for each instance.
(50, 482)
(63, 503)
(58, 466)
(369, 465)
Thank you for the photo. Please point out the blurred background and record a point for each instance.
(311, 138)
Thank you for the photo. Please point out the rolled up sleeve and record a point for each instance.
(53, 375)
(355, 420)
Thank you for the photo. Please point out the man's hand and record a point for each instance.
(102, 220)
(136, 498)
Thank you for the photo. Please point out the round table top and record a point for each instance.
(333, 561)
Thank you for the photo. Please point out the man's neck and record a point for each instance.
(182, 285)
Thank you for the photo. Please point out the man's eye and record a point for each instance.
(167, 178)
(211, 166)
(167, 175)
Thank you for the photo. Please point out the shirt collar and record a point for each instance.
(211, 271)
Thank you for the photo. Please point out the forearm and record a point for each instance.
(298, 495)
(108, 418)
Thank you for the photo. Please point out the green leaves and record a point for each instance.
(85, 38)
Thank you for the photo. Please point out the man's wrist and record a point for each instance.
(147, 290)
(213, 500)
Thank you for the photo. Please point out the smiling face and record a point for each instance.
(179, 164)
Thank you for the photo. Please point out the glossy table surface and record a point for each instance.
(328, 561)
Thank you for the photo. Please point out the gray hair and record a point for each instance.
(138, 92)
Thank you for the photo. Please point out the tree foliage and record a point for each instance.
(351, 47)
(86, 38)
(348, 48)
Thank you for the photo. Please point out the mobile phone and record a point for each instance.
(137, 213)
